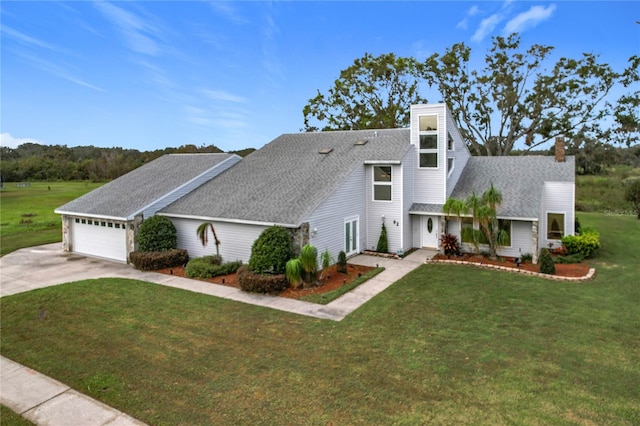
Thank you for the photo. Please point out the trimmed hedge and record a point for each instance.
(157, 234)
(260, 283)
(584, 244)
(271, 251)
(153, 260)
(203, 268)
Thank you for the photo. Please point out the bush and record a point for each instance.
(584, 244)
(342, 262)
(546, 262)
(526, 258)
(383, 243)
(570, 258)
(202, 267)
(154, 260)
(157, 234)
(260, 283)
(294, 272)
(271, 251)
(450, 244)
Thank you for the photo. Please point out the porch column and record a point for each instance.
(66, 233)
(534, 241)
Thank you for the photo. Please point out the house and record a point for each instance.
(104, 222)
(335, 190)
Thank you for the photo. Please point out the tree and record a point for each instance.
(202, 233)
(483, 210)
(632, 193)
(515, 98)
(373, 93)
(383, 241)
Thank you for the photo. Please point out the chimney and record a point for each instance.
(559, 149)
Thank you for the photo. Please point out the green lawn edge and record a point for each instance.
(330, 296)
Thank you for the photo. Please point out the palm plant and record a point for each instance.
(293, 272)
(308, 256)
(326, 260)
(202, 233)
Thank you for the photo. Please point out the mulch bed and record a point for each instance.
(332, 280)
(564, 270)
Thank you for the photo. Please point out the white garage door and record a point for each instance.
(100, 238)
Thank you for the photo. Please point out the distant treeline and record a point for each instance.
(34, 162)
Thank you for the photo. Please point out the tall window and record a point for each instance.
(382, 183)
(428, 133)
(450, 144)
(555, 226)
(450, 162)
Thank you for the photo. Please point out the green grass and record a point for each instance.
(9, 418)
(26, 214)
(444, 345)
(604, 193)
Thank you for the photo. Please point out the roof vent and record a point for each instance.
(361, 142)
(325, 150)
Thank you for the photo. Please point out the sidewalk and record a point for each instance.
(45, 401)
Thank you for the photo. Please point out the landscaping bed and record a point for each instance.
(563, 270)
(331, 281)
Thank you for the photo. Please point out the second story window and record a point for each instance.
(382, 183)
(428, 133)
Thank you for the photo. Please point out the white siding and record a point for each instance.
(180, 192)
(347, 201)
(521, 240)
(429, 184)
(391, 210)
(460, 154)
(558, 197)
(235, 239)
(408, 175)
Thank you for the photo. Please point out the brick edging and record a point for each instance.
(590, 275)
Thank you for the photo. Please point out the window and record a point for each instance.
(90, 222)
(110, 224)
(466, 233)
(77, 220)
(450, 143)
(505, 225)
(103, 223)
(96, 223)
(117, 226)
(382, 183)
(555, 226)
(428, 134)
(450, 162)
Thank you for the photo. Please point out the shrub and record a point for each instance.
(342, 262)
(326, 260)
(259, 283)
(202, 267)
(309, 262)
(577, 227)
(450, 244)
(271, 251)
(526, 258)
(293, 272)
(383, 243)
(570, 258)
(154, 260)
(546, 262)
(157, 234)
(585, 244)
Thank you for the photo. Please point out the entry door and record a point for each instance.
(351, 236)
(430, 231)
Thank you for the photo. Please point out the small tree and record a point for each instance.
(326, 260)
(632, 193)
(202, 232)
(546, 262)
(342, 262)
(383, 243)
(157, 233)
(271, 251)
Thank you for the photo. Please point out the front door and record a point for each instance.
(430, 231)
(351, 236)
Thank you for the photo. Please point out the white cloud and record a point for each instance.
(221, 95)
(30, 41)
(486, 27)
(529, 19)
(8, 141)
(137, 33)
(58, 71)
(227, 10)
(464, 24)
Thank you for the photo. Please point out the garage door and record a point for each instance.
(100, 238)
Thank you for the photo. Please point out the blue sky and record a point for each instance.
(155, 74)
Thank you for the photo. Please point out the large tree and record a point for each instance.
(373, 93)
(515, 97)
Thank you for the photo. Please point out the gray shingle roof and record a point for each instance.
(287, 178)
(137, 189)
(520, 179)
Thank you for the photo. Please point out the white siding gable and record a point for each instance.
(460, 153)
(430, 183)
(558, 197)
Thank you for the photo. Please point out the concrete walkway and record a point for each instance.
(45, 401)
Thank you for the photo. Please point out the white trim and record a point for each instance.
(349, 220)
(220, 219)
(382, 163)
(435, 133)
(374, 182)
(92, 216)
(546, 225)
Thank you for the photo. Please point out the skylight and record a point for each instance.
(325, 150)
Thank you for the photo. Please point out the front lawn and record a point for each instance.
(444, 345)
